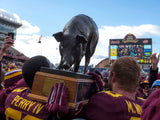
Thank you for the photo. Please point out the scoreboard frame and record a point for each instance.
(138, 48)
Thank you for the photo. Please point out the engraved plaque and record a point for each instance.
(48, 84)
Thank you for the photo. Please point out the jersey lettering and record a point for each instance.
(38, 108)
(138, 108)
(26, 104)
(133, 108)
(30, 105)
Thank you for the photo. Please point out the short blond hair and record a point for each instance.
(127, 70)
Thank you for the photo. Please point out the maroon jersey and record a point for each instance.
(107, 105)
(19, 107)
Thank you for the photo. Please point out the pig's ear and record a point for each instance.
(81, 39)
(58, 36)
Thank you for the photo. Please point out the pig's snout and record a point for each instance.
(66, 66)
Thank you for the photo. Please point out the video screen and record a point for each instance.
(140, 52)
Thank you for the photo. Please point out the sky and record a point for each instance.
(114, 18)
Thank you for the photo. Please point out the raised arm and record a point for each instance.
(154, 69)
(8, 41)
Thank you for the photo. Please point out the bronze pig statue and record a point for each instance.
(79, 38)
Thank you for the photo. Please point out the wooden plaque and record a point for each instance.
(80, 86)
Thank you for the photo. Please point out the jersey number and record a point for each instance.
(17, 115)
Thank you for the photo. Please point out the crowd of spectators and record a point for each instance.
(13, 56)
(7, 62)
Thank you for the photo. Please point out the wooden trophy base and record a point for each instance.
(80, 86)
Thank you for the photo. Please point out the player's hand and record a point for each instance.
(8, 41)
(76, 111)
(154, 61)
(98, 81)
(57, 102)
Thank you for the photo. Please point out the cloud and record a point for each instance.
(27, 39)
(3, 10)
(99, 57)
(17, 17)
(27, 28)
(28, 44)
(109, 32)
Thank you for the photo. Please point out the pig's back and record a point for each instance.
(81, 24)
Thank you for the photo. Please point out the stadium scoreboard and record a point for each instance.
(138, 48)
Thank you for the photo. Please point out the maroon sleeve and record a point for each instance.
(3, 95)
(151, 107)
(21, 83)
